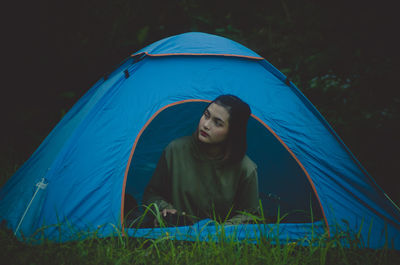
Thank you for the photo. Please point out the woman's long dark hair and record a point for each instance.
(239, 113)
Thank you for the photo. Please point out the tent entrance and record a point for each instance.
(282, 182)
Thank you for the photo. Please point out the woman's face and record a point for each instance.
(214, 125)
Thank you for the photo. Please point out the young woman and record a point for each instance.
(208, 175)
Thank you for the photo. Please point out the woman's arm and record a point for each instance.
(246, 200)
(158, 191)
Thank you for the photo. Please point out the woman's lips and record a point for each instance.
(203, 133)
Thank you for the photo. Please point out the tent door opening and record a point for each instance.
(282, 182)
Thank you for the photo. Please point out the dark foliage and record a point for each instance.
(342, 54)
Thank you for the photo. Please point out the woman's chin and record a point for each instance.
(203, 139)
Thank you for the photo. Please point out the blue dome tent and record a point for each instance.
(109, 143)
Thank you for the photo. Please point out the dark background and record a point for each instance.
(343, 55)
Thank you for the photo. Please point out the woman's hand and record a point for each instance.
(164, 214)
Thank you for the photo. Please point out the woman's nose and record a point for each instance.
(207, 125)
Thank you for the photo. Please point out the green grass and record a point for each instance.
(121, 249)
(126, 250)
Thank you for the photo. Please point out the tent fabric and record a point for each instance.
(77, 178)
(187, 44)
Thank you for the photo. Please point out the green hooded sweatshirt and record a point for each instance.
(187, 180)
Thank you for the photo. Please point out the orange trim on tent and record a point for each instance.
(202, 100)
(300, 164)
(134, 147)
(198, 54)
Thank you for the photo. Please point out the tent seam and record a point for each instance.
(198, 54)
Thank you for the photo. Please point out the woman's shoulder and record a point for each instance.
(179, 144)
(248, 165)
